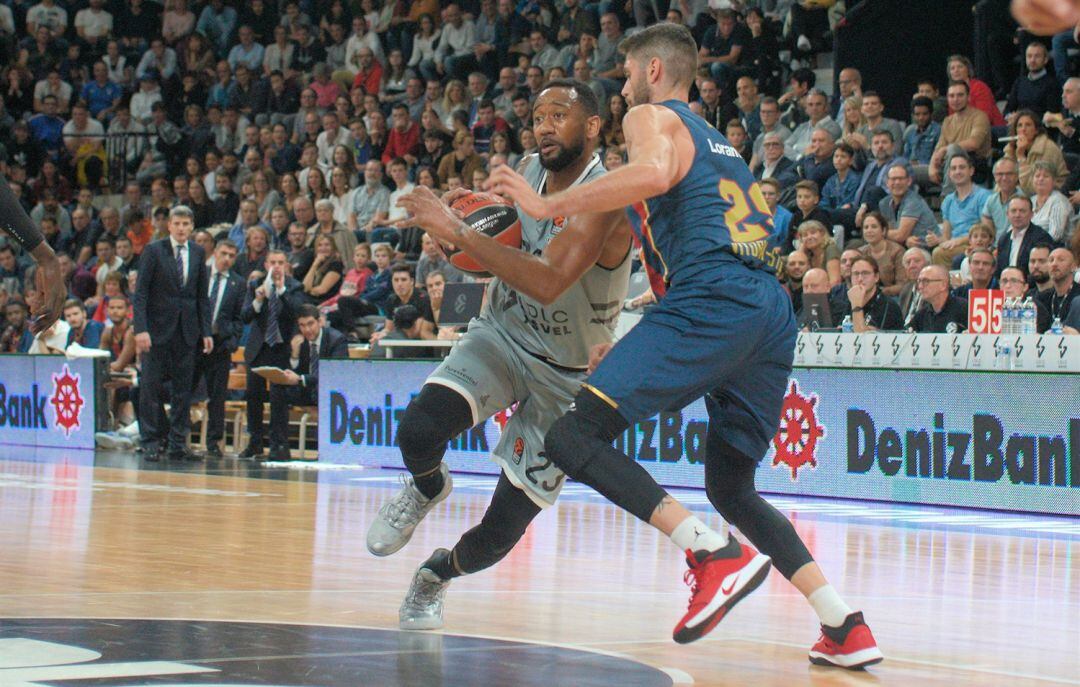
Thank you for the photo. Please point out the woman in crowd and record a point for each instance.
(853, 125)
(323, 279)
(316, 185)
(250, 264)
(425, 176)
(889, 255)
(1051, 207)
(265, 195)
(344, 158)
(290, 190)
(395, 76)
(370, 301)
(341, 195)
(50, 179)
(980, 96)
(820, 248)
(423, 49)
(200, 203)
(1032, 144)
(199, 58)
(611, 134)
(527, 142)
(454, 100)
(502, 144)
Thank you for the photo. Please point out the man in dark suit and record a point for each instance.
(172, 322)
(226, 300)
(312, 344)
(270, 308)
(1014, 246)
(774, 164)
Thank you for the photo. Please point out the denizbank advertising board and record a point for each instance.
(1007, 440)
(46, 401)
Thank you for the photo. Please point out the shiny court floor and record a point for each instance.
(230, 574)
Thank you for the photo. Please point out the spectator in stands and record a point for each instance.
(1059, 299)
(323, 279)
(12, 273)
(774, 164)
(817, 164)
(83, 332)
(794, 270)
(1033, 145)
(838, 193)
(463, 161)
(404, 140)
(770, 190)
(799, 142)
(920, 139)
(1037, 90)
(159, 61)
(1067, 123)
(717, 108)
(888, 255)
(735, 132)
(1014, 284)
(247, 52)
(807, 207)
(820, 249)
(960, 209)
(966, 130)
(171, 323)
(217, 22)
(722, 47)
(256, 247)
(408, 323)
(454, 55)
(1006, 186)
(816, 282)
(432, 259)
(911, 222)
(270, 308)
(225, 208)
(16, 337)
(873, 110)
(871, 310)
(769, 112)
(225, 302)
(980, 96)
(405, 292)
(981, 235)
(982, 266)
(941, 312)
(1052, 210)
(371, 204)
(915, 259)
(312, 344)
(850, 85)
(1014, 246)
(1038, 267)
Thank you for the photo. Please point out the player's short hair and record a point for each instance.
(585, 96)
(672, 43)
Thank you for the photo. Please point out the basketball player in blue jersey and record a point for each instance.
(47, 300)
(550, 304)
(723, 329)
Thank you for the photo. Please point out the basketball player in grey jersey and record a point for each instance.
(531, 345)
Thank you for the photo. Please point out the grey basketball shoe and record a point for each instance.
(398, 517)
(422, 608)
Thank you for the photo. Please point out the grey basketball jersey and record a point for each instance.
(585, 315)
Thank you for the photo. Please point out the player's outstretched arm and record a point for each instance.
(47, 300)
(587, 239)
(652, 170)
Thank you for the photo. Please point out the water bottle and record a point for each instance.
(1006, 317)
(847, 326)
(1057, 328)
(1029, 314)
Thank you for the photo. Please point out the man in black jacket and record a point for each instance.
(172, 322)
(312, 344)
(225, 301)
(1014, 246)
(270, 307)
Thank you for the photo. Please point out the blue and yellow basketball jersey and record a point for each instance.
(715, 211)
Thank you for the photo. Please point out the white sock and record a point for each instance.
(828, 605)
(694, 535)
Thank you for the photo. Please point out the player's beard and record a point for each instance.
(639, 91)
(566, 156)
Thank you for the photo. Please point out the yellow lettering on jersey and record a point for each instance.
(736, 217)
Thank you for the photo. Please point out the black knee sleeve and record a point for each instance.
(504, 524)
(435, 416)
(579, 443)
(729, 483)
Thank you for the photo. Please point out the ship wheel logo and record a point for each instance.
(66, 400)
(797, 437)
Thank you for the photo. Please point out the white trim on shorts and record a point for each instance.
(510, 475)
(454, 386)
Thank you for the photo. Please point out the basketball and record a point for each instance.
(492, 216)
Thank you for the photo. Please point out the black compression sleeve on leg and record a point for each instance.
(729, 482)
(15, 221)
(503, 525)
(433, 418)
(579, 443)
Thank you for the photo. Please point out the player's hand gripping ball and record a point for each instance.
(490, 215)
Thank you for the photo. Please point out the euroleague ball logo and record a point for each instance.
(797, 437)
(66, 400)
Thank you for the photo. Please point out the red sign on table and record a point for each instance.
(984, 311)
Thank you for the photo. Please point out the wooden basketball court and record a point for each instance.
(954, 597)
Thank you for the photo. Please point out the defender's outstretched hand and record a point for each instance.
(509, 184)
(1046, 17)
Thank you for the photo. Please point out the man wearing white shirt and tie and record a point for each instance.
(172, 321)
(225, 299)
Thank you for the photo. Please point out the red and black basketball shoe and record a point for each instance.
(850, 646)
(718, 580)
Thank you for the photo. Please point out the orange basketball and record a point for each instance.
(492, 216)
